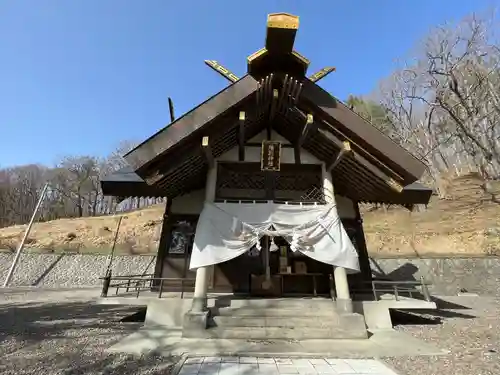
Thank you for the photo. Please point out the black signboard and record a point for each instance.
(270, 156)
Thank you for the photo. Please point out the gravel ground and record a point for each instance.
(68, 338)
(66, 333)
(472, 336)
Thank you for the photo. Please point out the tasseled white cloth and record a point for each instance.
(227, 230)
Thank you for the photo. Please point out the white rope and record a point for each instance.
(296, 240)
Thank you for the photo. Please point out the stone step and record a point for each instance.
(275, 321)
(311, 313)
(281, 302)
(353, 328)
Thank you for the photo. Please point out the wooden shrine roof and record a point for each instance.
(375, 169)
(126, 183)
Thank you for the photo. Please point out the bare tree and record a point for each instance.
(74, 191)
(446, 103)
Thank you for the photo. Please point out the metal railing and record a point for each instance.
(412, 289)
(138, 283)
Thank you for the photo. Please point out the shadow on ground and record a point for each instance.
(71, 338)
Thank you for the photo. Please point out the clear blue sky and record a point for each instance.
(79, 76)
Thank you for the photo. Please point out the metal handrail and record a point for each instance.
(398, 287)
(128, 276)
(138, 283)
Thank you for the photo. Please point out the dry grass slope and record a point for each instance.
(466, 223)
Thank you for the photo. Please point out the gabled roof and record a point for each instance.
(173, 160)
(191, 123)
(278, 94)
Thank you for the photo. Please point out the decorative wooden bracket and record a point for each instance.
(346, 148)
(207, 150)
(391, 182)
(307, 127)
(241, 137)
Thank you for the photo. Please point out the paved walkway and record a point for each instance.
(277, 366)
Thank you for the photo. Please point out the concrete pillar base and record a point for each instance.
(199, 304)
(195, 324)
(344, 306)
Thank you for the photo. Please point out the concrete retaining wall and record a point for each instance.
(448, 275)
(71, 270)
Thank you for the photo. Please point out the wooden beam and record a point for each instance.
(259, 145)
(171, 110)
(374, 160)
(391, 182)
(241, 137)
(302, 137)
(360, 130)
(274, 102)
(305, 130)
(207, 150)
(164, 244)
(272, 112)
(296, 154)
(346, 148)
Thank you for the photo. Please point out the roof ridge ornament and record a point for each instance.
(278, 54)
(219, 68)
(320, 74)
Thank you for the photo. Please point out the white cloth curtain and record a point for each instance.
(228, 230)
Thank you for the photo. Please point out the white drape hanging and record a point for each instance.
(227, 230)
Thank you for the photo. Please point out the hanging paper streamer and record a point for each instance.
(294, 245)
(273, 246)
(257, 245)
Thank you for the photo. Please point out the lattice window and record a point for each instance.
(294, 183)
(229, 179)
(290, 182)
(315, 194)
(240, 181)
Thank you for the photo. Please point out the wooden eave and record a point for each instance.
(190, 123)
(173, 160)
(126, 183)
(337, 115)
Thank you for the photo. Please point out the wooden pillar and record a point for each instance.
(364, 259)
(344, 302)
(202, 273)
(164, 242)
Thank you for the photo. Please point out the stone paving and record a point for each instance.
(278, 366)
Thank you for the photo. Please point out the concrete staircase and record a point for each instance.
(287, 319)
